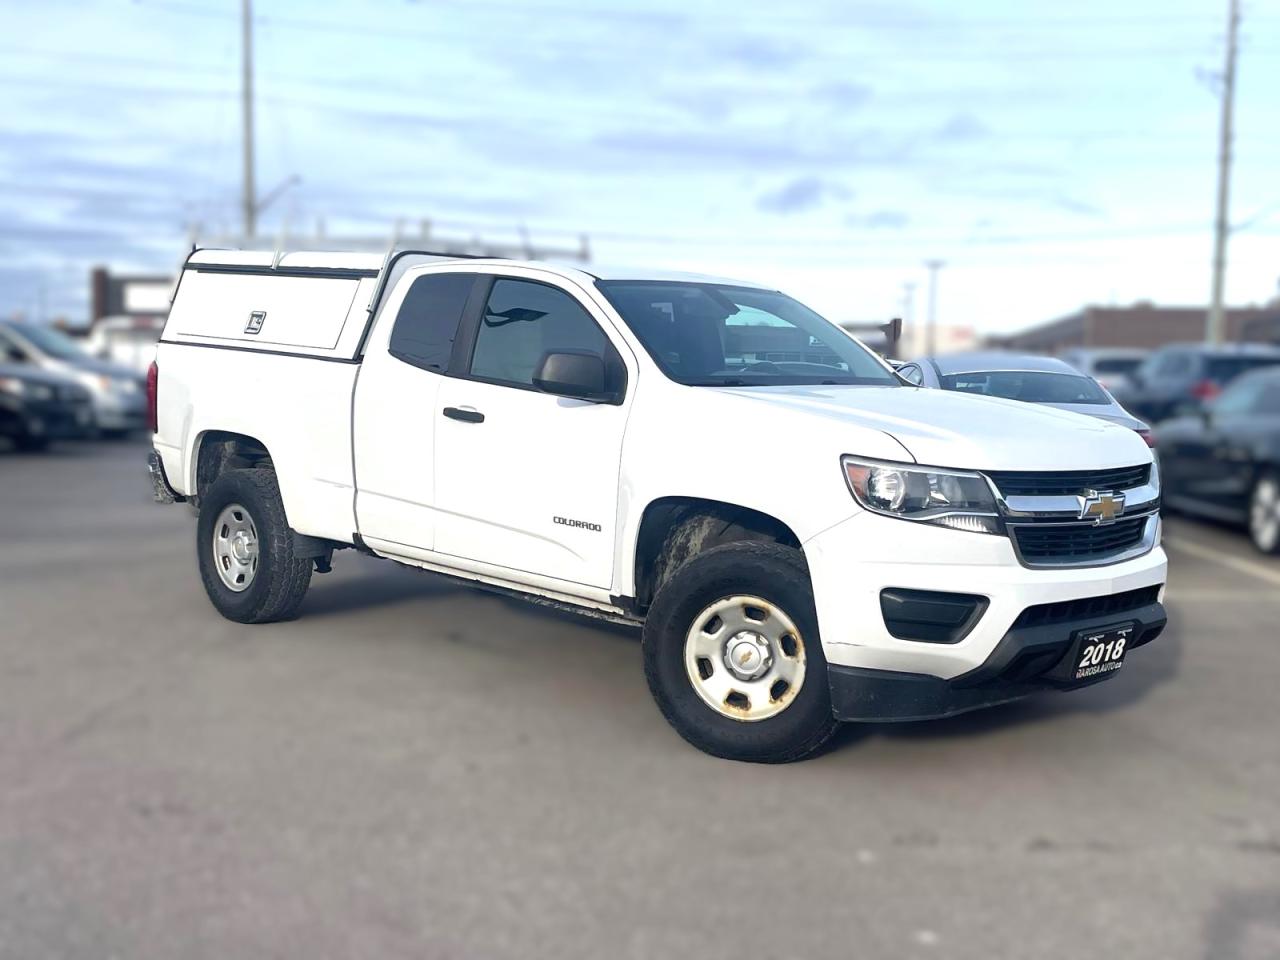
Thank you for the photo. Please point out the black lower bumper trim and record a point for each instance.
(1027, 660)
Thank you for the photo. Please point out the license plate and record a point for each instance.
(1102, 651)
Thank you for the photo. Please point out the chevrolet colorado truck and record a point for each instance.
(805, 537)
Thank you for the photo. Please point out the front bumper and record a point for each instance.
(853, 561)
(56, 419)
(1027, 660)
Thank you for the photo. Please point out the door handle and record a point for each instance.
(464, 414)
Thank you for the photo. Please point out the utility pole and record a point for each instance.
(1214, 322)
(248, 197)
(931, 328)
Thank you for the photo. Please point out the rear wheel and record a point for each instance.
(733, 657)
(245, 549)
(1264, 513)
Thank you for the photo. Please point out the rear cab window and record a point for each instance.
(427, 323)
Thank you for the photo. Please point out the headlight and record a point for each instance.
(949, 498)
(12, 385)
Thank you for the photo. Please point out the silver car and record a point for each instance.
(118, 394)
(1015, 376)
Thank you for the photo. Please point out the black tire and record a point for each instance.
(280, 583)
(1264, 536)
(31, 442)
(772, 572)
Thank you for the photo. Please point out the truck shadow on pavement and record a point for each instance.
(435, 599)
(385, 586)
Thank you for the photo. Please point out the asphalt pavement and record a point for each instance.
(413, 769)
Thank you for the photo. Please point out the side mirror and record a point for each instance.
(577, 374)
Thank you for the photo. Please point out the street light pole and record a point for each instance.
(1213, 328)
(931, 328)
(248, 201)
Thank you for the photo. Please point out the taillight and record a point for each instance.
(1206, 390)
(153, 409)
(1146, 434)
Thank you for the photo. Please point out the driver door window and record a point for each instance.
(522, 322)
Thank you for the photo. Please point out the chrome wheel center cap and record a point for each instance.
(240, 547)
(747, 655)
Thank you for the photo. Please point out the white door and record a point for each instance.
(527, 480)
(396, 411)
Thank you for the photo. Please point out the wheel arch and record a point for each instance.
(216, 451)
(672, 529)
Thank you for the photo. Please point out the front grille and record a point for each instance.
(1076, 542)
(1068, 611)
(1019, 483)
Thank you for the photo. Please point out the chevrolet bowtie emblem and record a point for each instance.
(1100, 507)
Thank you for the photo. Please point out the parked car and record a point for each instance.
(1179, 378)
(1224, 462)
(1032, 379)
(705, 458)
(1110, 366)
(126, 341)
(118, 394)
(38, 407)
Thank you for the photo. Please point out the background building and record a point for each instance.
(1143, 325)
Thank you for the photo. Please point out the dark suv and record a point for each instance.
(1179, 378)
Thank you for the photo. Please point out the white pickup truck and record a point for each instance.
(805, 537)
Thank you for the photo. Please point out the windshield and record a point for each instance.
(50, 341)
(708, 334)
(1033, 387)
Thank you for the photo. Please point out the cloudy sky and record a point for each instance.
(1051, 154)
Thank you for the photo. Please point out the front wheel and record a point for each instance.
(245, 549)
(733, 657)
(1264, 513)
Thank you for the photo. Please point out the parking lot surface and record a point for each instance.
(413, 769)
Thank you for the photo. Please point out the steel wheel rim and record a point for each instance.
(745, 658)
(1264, 514)
(235, 548)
